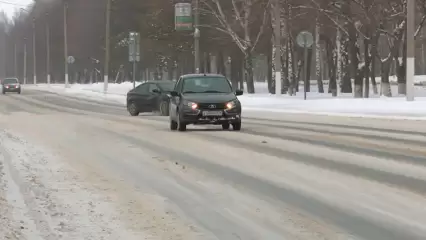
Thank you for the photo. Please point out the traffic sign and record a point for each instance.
(305, 39)
(70, 59)
(183, 17)
(134, 47)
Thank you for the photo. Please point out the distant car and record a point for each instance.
(10, 85)
(150, 97)
(204, 99)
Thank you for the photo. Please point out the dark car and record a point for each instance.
(11, 85)
(150, 97)
(204, 99)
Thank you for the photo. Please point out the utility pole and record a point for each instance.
(25, 61)
(15, 59)
(197, 37)
(107, 40)
(34, 52)
(66, 44)
(277, 46)
(47, 49)
(410, 70)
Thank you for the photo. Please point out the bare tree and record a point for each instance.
(238, 21)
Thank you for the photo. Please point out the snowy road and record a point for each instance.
(80, 169)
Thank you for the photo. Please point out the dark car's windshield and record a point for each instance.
(10, 81)
(206, 85)
(167, 87)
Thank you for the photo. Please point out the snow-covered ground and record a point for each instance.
(41, 198)
(316, 103)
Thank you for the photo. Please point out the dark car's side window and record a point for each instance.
(178, 87)
(153, 87)
(142, 89)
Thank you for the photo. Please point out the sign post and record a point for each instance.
(134, 52)
(305, 39)
(183, 17)
(70, 61)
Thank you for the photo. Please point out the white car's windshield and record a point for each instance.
(206, 85)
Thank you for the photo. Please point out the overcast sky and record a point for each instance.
(10, 6)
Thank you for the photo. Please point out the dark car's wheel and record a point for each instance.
(181, 126)
(173, 125)
(236, 126)
(164, 108)
(19, 92)
(225, 126)
(133, 109)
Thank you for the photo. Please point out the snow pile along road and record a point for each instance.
(41, 198)
(262, 102)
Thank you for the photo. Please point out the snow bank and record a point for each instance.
(316, 103)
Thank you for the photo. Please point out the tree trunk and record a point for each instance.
(346, 83)
(373, 76)
(170, 69)
(367, 69)
(213, 63)
(331, 62)
(290, 52)
(340, 52)
(373, 51)
(308, 73)
(356, 69)
(235, 71)
(385, 84)
(248, 67)
(402, 80)
(220, 63)
(271, 58)
(298, 73)
(270, 70)
(401, 66)
(318, 70)
(290, 67)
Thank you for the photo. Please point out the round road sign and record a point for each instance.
(71, 59)
(305, 39)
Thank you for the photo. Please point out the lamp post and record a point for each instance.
(34, 52)
(66, 45)
(25, 61)
(107, 43)
(15, 60)
(197, 37)
(47, 49)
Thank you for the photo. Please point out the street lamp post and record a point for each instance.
(107, 43)
(34, 52)
(25, 61)
(66, 45)
(197, 37)
(15, 60)
(47, 49)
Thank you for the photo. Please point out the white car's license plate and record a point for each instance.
(212, 113)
